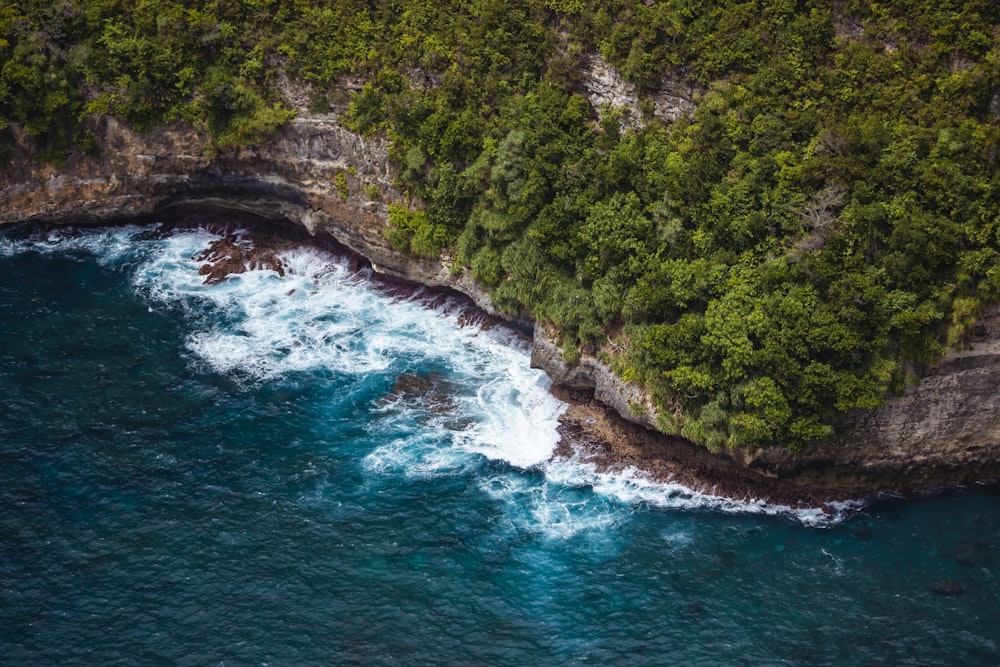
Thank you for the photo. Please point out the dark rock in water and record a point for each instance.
(863, 531)
(428, 392)
(410, 384)
(234, 254)
(968, 553)
(947, 587)
(459, 423)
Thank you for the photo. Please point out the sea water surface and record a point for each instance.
(305, 470)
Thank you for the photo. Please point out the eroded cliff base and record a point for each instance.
(937, 436)
(595, 434)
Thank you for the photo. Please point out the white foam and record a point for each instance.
(258, 326)
(551, 510)
(421, 455)
(313, 317)
(320, 315)
(632, 486)
(10, 248)
(109, 245)
(678, 541)
(516, 416)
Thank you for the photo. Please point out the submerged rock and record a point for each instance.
(947, 587)
(968, 553)
(863, 531)
(426, 392)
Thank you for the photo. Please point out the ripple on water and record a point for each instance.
(236, 473)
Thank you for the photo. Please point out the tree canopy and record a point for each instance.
(822, 225)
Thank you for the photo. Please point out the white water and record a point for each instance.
(322, 318)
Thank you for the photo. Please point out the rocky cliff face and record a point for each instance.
(943, 431)
(590, 375)
(607, 89)
(315, 173)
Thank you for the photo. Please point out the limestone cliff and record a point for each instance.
(608, 90)
(314, 172)
(943, 431)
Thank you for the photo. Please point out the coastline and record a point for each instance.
(591, 431)
(940, 433)
(595, 434)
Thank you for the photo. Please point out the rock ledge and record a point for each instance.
(944, 431)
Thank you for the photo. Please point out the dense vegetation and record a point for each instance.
(826, 222)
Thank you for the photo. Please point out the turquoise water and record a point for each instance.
(201, 475)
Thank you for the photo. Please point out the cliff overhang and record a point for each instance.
(942, 432)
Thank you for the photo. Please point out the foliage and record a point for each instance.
(147, 61)
(827, 218)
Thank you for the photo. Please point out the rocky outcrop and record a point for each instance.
(942, 431)
(845, 25)
(590, 375)
(608, 90)
(314, 172)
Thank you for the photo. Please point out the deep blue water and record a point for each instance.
(200, 475)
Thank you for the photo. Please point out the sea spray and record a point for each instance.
(327, 318)
(158, 509)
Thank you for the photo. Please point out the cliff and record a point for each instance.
(314, 173)
(942, 431)
(939, 432)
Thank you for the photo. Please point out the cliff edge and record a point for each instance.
(943, 431)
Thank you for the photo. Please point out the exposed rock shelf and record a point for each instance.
(944, 431)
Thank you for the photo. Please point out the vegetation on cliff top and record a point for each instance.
(826, 221)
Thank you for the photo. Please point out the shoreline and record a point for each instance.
(596, 434)
(589, 431)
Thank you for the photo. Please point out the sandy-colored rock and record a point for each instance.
(608, 90)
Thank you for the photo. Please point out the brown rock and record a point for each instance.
(947, 587)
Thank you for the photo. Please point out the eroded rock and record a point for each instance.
(235, 254)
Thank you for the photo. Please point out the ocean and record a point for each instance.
(309, 469)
